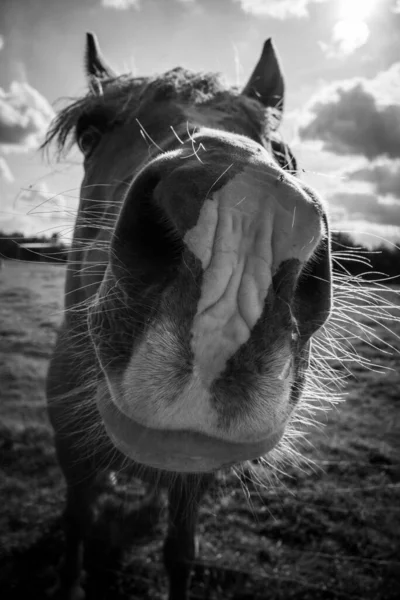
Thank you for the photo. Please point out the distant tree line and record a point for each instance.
(10, 246)
(349, 256)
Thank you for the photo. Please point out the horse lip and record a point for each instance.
(175, 450)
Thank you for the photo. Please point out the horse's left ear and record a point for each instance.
(96, 67)
(266, 83)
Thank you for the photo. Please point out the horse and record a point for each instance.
(199, 272)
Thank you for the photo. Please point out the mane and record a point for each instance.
(121, 97)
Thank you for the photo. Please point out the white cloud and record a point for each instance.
(365, 201)
(277, 9)
(36, 210)
(370, 219)
(39, 200)
(358, 206)
(5, 171)
(24, 117)
(357, 117)
(384, 178)
(127, 4)
(385, 86)
(1, 42)
(121, 4)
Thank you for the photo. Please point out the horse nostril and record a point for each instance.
(145, 241)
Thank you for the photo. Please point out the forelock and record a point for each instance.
(123, 96)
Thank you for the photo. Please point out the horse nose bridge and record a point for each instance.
(195, 175)
(233, 192)
(245, 187)
(182, 190)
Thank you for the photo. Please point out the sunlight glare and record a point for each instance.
(351, 30)
(350, 35)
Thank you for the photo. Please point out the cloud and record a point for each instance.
(367, 218)
(5, 171)
(24, 117)
(359, 206)
(127, 4)
(277, 9)
(385, 86)
(121, 4)
(385, 178)
(38, 200)
(1, 42)
(347, 36)
(36, 211)
(356, 117)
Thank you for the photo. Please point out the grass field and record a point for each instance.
(328, 530)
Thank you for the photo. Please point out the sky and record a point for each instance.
(341, 61)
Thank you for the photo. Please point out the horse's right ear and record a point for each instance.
(97, 69)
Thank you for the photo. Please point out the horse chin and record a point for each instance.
(182, 451)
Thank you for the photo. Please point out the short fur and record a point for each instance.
(133, 283)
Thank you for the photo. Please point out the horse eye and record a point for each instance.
(88, 139)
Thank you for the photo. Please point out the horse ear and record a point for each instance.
(95, 66)
(266, 83)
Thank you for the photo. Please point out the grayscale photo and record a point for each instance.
(200, 299)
